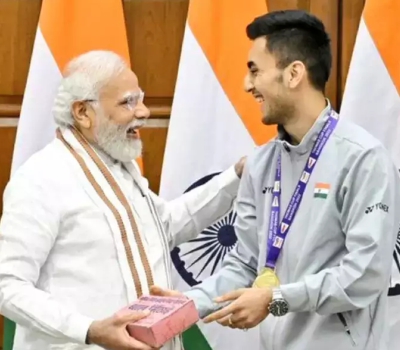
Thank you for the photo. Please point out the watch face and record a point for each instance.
(278, 307)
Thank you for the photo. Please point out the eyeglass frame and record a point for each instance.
(140, 98)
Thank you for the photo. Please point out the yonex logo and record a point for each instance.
(379, 206)
(267, 189)
(369, 210)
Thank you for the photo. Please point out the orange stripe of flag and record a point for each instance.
(382, 20)
(220, 29)
(73, 27)
(323, 185)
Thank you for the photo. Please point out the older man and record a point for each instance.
(82, 236)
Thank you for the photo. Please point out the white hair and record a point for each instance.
(83, 79)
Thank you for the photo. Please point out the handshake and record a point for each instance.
(246, 308)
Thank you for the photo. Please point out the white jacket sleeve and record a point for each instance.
(28, 230)
(370, 197)
(186, 216)
(239, 268)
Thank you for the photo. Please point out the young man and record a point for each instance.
(82, 235)
(314, 256)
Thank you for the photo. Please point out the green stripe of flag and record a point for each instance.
(194, 339)
(8, 335)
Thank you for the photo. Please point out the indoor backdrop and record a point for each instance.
(155, 32)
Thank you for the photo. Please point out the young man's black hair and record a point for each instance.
(296, 35)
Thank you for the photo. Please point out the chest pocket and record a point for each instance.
(323, 224)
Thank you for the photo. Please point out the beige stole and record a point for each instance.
(104, 189)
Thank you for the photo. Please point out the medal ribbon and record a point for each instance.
(277, 232)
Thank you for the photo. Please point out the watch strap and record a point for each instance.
(277, 294)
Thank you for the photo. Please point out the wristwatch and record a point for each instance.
(278, 306)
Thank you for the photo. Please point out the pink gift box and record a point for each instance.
(169, 317)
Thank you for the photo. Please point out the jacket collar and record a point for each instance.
(306, 144)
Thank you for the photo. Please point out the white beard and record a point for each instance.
(112, 139)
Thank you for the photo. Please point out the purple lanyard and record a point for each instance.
(277, 233)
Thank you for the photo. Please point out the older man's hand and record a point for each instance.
(157, 291)
(111, 333)
(239, 166)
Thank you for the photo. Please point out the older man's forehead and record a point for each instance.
(123, 84)
(126, 78)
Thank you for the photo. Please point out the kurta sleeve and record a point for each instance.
(28, 230)
(186, 216)
(239, 268)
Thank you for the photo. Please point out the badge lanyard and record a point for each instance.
(277, 231)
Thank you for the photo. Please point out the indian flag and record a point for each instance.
(66, 29)
(372, 100)
(213, 123)
(321, 190)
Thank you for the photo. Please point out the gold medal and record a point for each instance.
(267, 278)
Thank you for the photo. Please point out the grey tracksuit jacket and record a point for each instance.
(336, 261)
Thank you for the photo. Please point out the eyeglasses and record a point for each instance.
(130, 101)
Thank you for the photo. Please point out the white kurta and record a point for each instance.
(62, 262)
